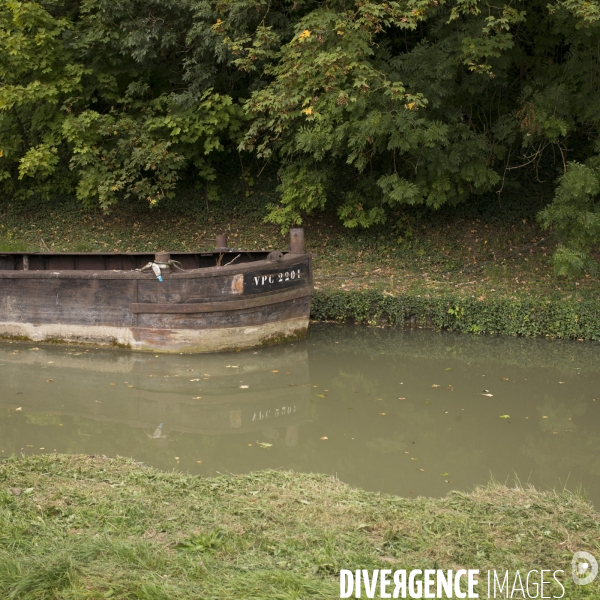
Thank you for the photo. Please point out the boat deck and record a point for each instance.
(119, 261)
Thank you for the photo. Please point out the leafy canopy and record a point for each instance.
(361, 105)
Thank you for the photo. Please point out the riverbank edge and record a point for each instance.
(567, 317)
(96, 527)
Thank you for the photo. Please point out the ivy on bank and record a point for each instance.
(531, 316)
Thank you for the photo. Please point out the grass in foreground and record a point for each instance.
(90, 527)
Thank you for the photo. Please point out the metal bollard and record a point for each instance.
(297, 241)
(221, 242)
(162, 257)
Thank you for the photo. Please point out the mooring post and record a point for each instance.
(162, 258)
(297, 241)
(221, 242)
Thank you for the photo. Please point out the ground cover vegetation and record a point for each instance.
(92, 527)
(364, 109)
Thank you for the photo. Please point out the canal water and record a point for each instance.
(408, 412)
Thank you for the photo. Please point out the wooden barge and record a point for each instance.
(180, 302)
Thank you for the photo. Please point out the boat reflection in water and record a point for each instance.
(262, 394)
(407, 412)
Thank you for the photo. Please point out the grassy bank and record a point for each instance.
(90, 527)
(481, 269)
(569, 316)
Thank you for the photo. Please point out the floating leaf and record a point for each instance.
(244, 387)
(19, 409)
(488, 395)
(324, 438)
(382, 414)
(505, 416)
(322, 395)
(435, 385)
(444, 474)
(274, 370)
(264, 444)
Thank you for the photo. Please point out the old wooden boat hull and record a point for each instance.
(101, 299)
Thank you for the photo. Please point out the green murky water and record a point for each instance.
(408, 412)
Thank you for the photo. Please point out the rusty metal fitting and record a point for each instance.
(221, 242)
(162, 257)
(297, 241)
(275, 256)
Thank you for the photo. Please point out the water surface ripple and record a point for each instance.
(408, 412)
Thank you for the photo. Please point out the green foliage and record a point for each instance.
(362, 106)
(575, 216)
(99, 93)
(526, 315)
